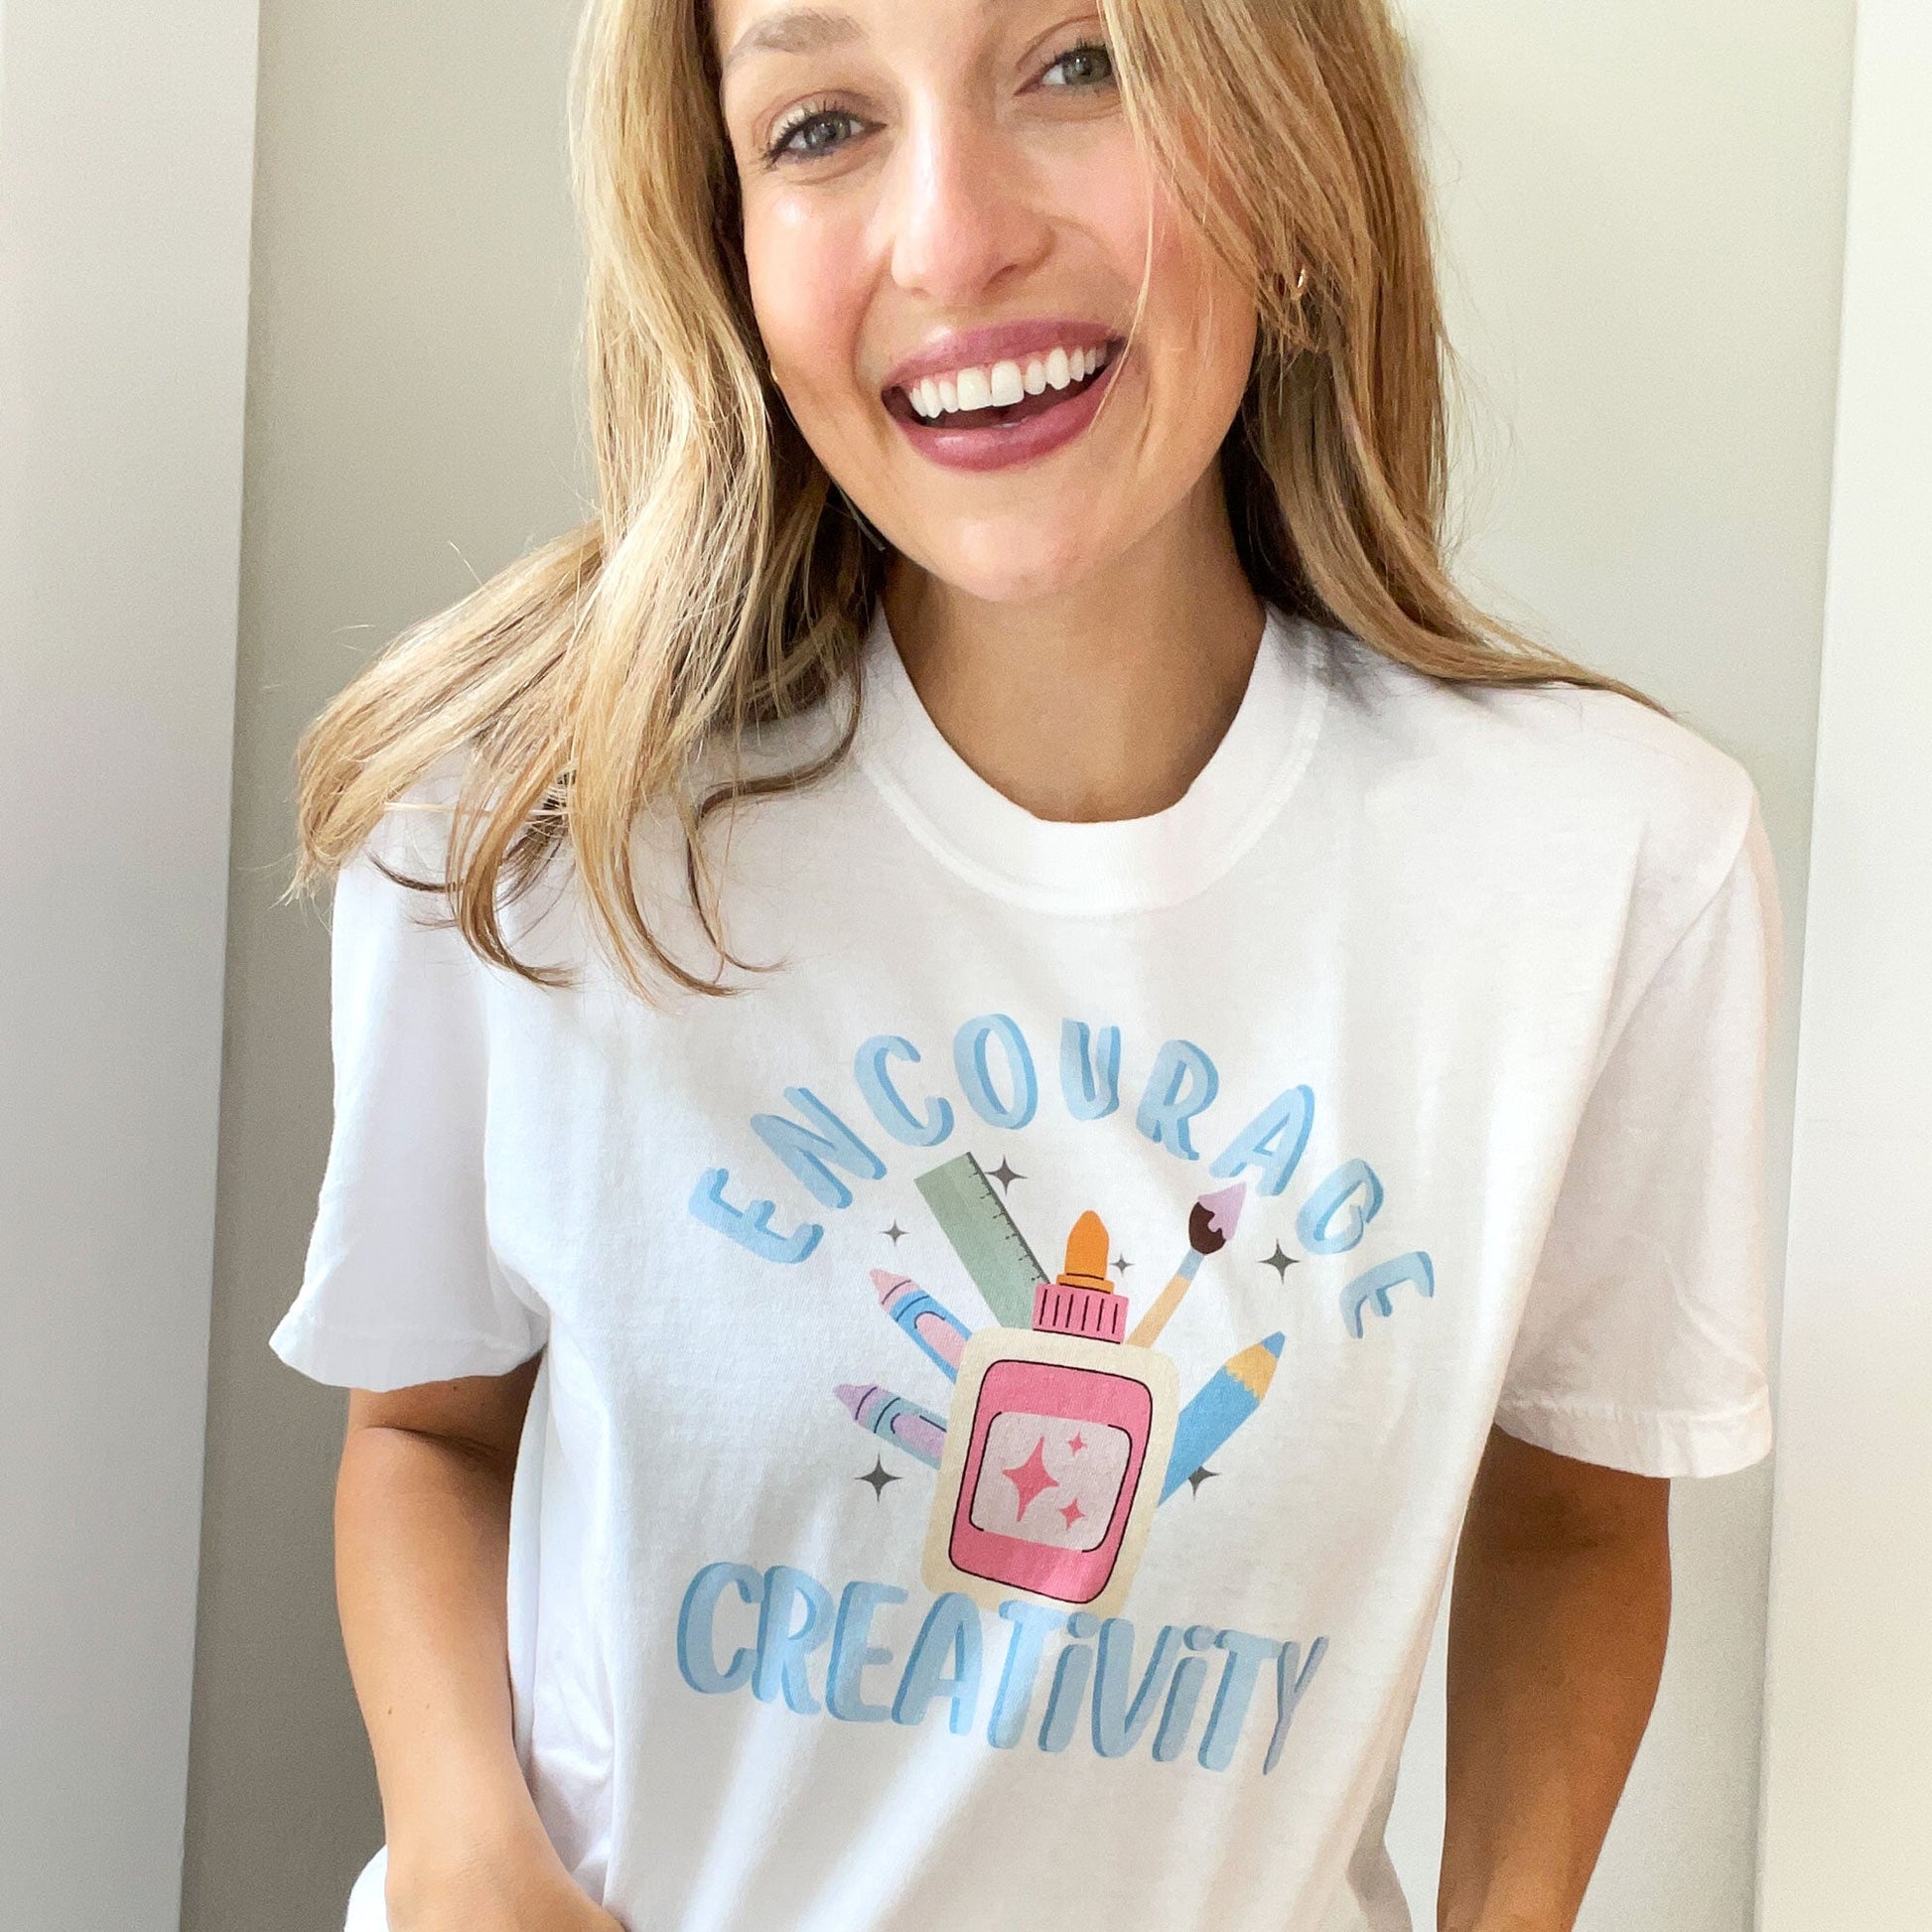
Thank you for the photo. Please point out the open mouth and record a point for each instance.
(1004, 394)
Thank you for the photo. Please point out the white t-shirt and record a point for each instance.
(1015, 1372)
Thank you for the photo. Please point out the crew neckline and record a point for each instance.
(1096, 866)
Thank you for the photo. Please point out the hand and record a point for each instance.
(536, 1897)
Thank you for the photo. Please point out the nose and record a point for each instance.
(965, 209)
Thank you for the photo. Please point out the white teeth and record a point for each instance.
(1002, 385)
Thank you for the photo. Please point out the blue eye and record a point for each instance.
(819, 132)
(1088, 65)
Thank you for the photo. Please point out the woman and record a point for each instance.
(996, 1067)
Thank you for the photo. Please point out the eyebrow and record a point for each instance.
(795, 30)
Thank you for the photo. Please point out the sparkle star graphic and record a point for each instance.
(878, 1476)
(1004, 1174)
(1076, 1442)
(1123, 1263)
(1279, 1263)
(1199, 1477)
(1073, 1512)
(1030, 1477)
(895, 1234)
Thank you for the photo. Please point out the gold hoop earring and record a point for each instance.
(1296, 335)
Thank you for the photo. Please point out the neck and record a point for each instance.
(1105, 699)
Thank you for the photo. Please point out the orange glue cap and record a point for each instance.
(1083, 1302)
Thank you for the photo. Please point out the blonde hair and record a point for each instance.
(724, 582)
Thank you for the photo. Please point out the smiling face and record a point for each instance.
(990, 322)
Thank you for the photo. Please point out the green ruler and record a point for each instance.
(984, 1237)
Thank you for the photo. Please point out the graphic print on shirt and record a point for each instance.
(1068, 1427)
(1062, 1435)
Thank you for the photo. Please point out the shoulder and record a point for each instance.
(1583, 776)
(396, 900)
(414, 839)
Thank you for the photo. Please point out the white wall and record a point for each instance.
(1849, 1746)
(1642, 203)
(411, 419)
(125, 138)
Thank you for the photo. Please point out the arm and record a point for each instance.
(422, 1543)
(1556, 1629)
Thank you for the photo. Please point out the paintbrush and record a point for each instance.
(1209, 1226)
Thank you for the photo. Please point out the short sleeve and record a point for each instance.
(400, 1285)
(1643, 1341)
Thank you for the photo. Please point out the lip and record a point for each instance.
(1003, 445)
(1007, 341)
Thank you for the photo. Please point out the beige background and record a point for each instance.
(411, 416)
(1643, 202)
(1849, 1691)
(125, 209)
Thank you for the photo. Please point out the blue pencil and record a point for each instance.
(1219, 1406)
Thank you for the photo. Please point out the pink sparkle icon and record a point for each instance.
(1077, 1442)
(1073, 1512)
(1030, 1477)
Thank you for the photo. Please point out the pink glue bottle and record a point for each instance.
(1055, 1447)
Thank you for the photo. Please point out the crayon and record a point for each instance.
(1210, 1225)
(926, 1319)
(918, 1432)
(1219, 1406)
